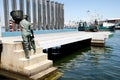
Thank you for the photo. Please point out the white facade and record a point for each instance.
(106, 24)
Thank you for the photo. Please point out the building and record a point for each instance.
(114, 20)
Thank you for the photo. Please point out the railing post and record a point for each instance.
(48, 14)
(56, 15)
(44, 14)
(62, 15)
(59, 16)
(6, 14)
(52, 15)
(21, 5)
(28, 9)
(39, 15)
(14, 7)
(34, 14)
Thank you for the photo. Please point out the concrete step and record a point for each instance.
(97, 41)
(21, 54)
(23, 62)
(38, 50)
(19, 45)
(43, 74)
(36, 68)
(37, 43)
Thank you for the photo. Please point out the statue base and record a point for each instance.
(13, 60)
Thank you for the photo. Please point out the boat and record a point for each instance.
(117, 27)
(83, 26)
(107, 26)
(96, 27)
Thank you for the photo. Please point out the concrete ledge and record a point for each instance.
(98, 42)
(49, 74)
(57, 39)
(46, 75)
(36, 68)
(13, 75)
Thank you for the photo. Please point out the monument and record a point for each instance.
(26, 31)
(14, 60)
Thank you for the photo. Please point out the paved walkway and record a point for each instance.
(57, 39)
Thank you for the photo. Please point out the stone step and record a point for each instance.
(43, 74)
(23, 62)
(19, 45)
(21, 54)
(38, 51)
(36, 68)
(97, 41)
(37, 43)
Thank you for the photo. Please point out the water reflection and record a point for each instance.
(89, 56)
(94, 63)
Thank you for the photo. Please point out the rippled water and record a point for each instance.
(93, 63)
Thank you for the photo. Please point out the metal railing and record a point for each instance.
(45, 14)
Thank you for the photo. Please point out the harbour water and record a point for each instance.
(93, 63)
(90, 63)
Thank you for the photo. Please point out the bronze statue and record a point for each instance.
(27, 36)
(26, 31)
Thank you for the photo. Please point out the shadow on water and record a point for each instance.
(88, 54)
(5, 78)
(59, 52)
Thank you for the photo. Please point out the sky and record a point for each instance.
(75, 10)
(83, 9)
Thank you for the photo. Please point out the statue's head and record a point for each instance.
(17, 15)
(25, 17)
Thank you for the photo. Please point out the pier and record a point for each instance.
(35, 68)
(57, 39)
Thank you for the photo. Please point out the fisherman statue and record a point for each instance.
(27, 36)
(26, 31)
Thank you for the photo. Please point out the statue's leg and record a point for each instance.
(33, 45)
(26, 46)
(29, 43)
